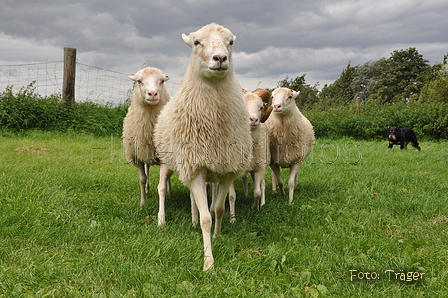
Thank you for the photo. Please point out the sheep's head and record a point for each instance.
(265, 96)
(211, 50)
(150, 83)
(254, 105)
(282, 98)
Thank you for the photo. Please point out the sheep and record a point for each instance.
(202, 133)
(260, 151)
(265, 97)
(148, 98)
(291, 138)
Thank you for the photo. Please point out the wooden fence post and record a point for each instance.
(68, 86)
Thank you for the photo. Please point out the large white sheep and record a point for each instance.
(202, 133)
(148, 99)
(291, 138)
(260, 152)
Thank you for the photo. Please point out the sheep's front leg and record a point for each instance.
(165, 175)
(292, 182)
(223, 189)
(278, 176)
(143, 179)
(198, 189)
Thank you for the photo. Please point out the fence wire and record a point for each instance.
(91, 83)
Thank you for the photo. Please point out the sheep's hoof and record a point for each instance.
(232, 219)
(161, 222)
(256, 206)
(208, 263)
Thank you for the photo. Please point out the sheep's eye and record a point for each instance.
(196, 43)
(231, 42)
(140, 82)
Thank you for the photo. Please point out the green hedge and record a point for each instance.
(28, 110)
(428, 120)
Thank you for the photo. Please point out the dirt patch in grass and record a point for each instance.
(33, 149)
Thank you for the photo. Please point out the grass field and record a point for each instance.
(362, 220)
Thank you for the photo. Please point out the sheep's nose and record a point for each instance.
(277, 106)
(152, 93)
(220, 58)
(253, 120)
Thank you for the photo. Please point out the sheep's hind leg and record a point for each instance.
(223, 189)
(194, 211)
(292, 182)
(147, 166)
(258, 190)
(198, 190)
(232, 199)
(278, 176)
(165, 175)
(245, 185)
(143, 179)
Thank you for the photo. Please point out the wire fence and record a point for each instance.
(91, 83)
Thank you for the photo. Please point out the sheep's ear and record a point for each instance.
(133, 77)
(166, 78)
(295, 94)
(187, 40)
(234, 38)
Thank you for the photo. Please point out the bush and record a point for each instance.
(428, 120)
(28, 110)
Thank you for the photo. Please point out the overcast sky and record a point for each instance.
(275, 39)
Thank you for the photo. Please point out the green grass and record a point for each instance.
(71, 226)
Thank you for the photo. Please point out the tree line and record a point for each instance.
(403, 77)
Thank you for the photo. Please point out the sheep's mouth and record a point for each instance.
(152, 101)
(218, 69)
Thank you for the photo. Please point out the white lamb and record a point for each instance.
(291, 138)
(148, 98)
(260, 153)
(202, 133)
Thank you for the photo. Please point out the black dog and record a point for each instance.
(402, 136)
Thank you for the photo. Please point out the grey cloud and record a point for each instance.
(274, 39)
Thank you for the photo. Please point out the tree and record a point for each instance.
(436, 88)
(308, 95)
(403, 76)
(340, 92)
(366, 76)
